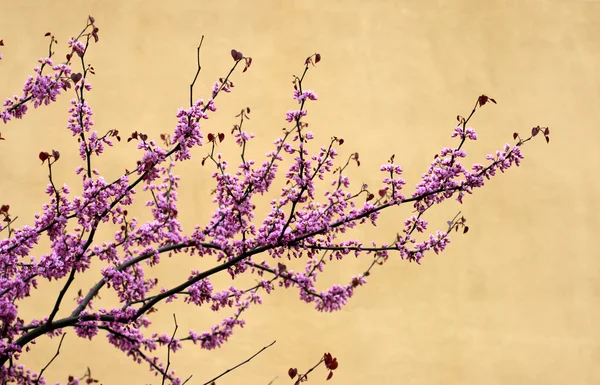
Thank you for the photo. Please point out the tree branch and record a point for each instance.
(240, 364)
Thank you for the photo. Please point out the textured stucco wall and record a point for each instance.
(512, 302)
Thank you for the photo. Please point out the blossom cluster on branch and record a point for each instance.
(301, 225)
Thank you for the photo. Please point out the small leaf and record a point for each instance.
(466, 229)
(43, 156)
(236, 55)
(493, 101)
(547, 139)
(381, 192)
(76, 77)
(482, 100)
(547, 131)
(292, 372)
(535, 130)
(1, 43)
(329, 376)
(221, 137)
(55, 154)
(341, 141)
(317, 58)
(47, 34)
(211, 137)
(370, 197)
(92, 20)
(334, 364)
(515, 135)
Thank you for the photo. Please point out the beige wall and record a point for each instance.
(512, 302)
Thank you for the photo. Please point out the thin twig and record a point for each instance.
(240, 364)
(37, 381)
(197, 72)
(304, 377)
(169, 350)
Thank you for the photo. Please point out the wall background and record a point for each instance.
(512, 302)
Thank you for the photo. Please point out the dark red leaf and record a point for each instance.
(92, 20)
(236, 55)
(247, 110)
(211, 137)
(493, 101)
(482, 100)
(515, 135)
(341, 141)
(221, 137)
(47, 34)
(317, 58)
(546, 131)
(334, 364)
(547, 139)
(370, 197)
(43, 156)
(1, 43)
(381, 192)
(55, 154)
(76, 77)
(143, 137)
(329, 376)
(292, 372)
(534, 131)
(466, 229)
